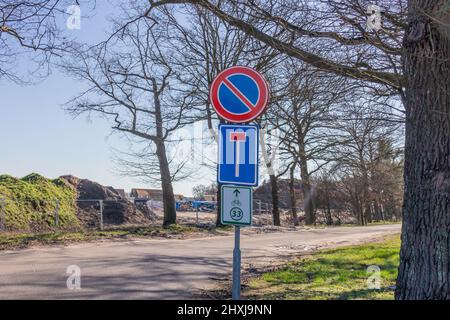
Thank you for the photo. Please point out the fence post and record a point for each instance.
(57, 213)
(259, 206)
(2, 214)
(101, 214)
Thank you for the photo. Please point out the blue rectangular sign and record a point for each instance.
(238, 154)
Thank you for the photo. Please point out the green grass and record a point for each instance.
(10, 241)
(31, 203)
(332, 274)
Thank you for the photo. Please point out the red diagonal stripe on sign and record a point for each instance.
(238, 94)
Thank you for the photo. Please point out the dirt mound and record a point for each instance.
(116, 209)
(88, 190)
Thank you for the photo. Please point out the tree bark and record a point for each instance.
(310, 218)
(292, 196)
(425, 252)
(275, 201)
(329, 218)
(170, 213)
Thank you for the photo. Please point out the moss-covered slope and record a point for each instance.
(30, 203)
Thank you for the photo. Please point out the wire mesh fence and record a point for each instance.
(35, 215)
(100, 214)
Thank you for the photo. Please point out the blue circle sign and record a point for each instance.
(239, 94)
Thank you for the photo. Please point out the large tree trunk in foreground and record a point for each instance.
(425, 253)
(275, 201)
(170, 213)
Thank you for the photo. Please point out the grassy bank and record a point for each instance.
(30, 203)
(11, 241)
(332, 274)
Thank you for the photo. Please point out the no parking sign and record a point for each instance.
(239, 94)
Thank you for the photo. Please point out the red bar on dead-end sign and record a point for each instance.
(237, 136)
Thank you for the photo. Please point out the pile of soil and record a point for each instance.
(116, 210)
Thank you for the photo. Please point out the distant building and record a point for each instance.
(151, 194)
(146, 194)
(179, 197)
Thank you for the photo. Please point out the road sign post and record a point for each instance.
(236, 290)
(238, 95)
(237, 210)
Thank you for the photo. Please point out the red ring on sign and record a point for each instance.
(263, 99)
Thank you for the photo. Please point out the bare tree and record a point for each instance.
(206, 45)
(357, 156)
(305, 114)
(30, 29)
(142, 161)
(201, 190)
(275, 168)
(131, 82)
(409, 55)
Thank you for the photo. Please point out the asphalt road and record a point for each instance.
(157, 269)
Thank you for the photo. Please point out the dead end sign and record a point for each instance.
(239, 94)
(238, 154)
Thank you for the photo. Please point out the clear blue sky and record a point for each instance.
(37, 135)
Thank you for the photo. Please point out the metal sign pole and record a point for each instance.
(236, 292)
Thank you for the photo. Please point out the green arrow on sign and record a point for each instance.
(236, 192)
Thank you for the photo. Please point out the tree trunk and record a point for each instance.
(275, 201)
(292, 196)
(382, 212)
(376, 211)
(329, 218)
(425, 252)
(310, 218)
(365, 193)
(368, 213)
(170, 213)
(308, 204)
